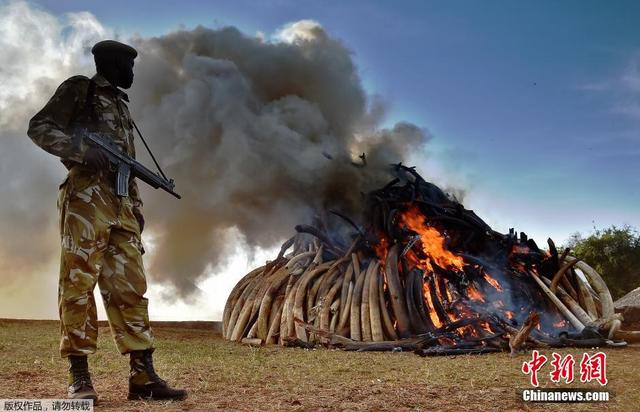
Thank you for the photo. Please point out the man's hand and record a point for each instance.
(139, 218)
(95, 158)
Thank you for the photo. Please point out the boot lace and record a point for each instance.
(150, 369)
(145, 363)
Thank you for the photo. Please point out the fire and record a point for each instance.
(479, 287)
(439, 293)
(432, 313)
(560, 324)
(493, 282)
(474, 294)
(432, 242)
(381, 249)
(447, 291)
(486, 326)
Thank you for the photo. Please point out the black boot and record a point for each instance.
(144, 382)
(80, 386)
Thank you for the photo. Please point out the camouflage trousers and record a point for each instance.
(100, 244)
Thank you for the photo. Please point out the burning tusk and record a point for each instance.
(571, 304)
(257, 302)
(417, 324)
(599, 286)
(585, 298)
(299, 258)
(322, 286)
(240, 304)
(245, 312)
(300, 295)
(435, 301)
(563, 309)
(233, 298)
(287, 307)
(356, 300)
(265, 305)
(365, 316)
(556, 278)
(252, 332)
(419, 299)
(377, 334)
(345, 318)
(274, 325)
(344, 292)
(287, 316)
(356, 263)
(387, 324)
(327, 302)
(395, 291)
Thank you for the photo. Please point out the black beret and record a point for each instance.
(113, 47)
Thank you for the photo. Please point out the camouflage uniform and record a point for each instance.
(99, 231)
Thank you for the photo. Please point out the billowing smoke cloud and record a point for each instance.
(258, 134)
(36, 56)
(34, 59)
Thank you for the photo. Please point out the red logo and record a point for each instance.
(592, 368)
(534, 366)
(562, 368)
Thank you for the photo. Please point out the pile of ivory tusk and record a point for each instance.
(325, 292)
(346, 297)
(581, 296)
(341, 295)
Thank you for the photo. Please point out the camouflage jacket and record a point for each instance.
(52, 128)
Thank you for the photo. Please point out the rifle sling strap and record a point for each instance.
(89, 112)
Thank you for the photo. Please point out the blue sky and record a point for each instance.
(535, 106)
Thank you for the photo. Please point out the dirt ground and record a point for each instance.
(226, 376)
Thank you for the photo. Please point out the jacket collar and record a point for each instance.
(100, 81)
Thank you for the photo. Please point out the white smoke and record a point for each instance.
(38, 51)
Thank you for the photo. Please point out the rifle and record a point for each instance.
(127, 166)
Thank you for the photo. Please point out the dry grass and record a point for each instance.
(226, 376)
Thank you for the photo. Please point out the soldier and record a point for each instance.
(100, 232)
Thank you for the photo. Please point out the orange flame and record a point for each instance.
(474, 294)
(432, 242)
(430, 308)
(493, 282)
(486, 326)
(446, 289)
(381, 249)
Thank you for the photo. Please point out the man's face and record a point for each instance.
(125, 72)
